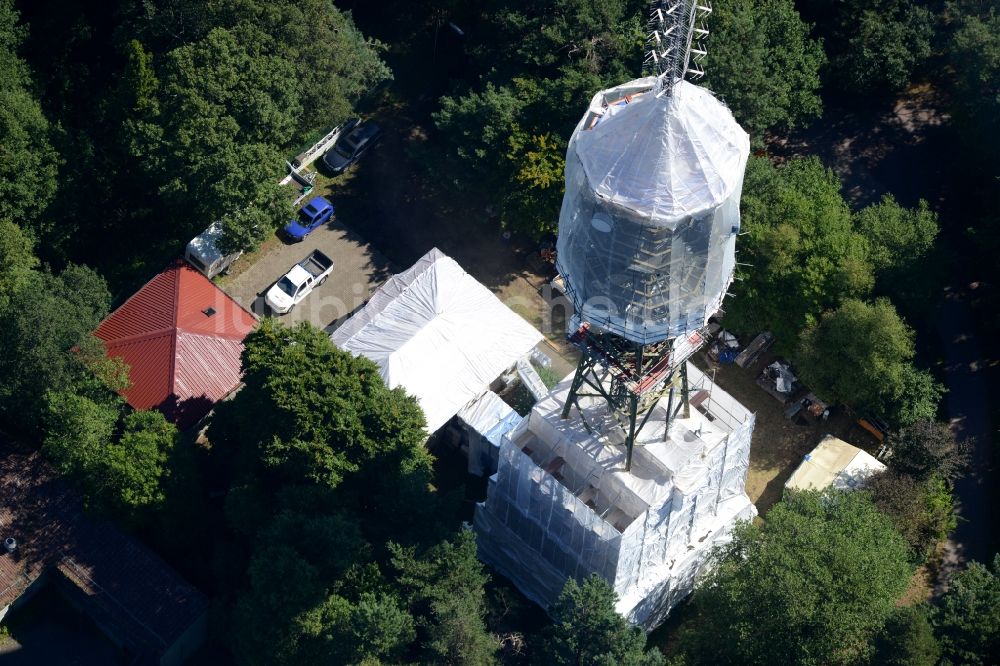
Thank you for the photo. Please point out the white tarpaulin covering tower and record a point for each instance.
(647, 232)
(610, 474)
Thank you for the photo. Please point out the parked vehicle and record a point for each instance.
(299, 282)
(317, 212)
(202, 253)
(351, 146)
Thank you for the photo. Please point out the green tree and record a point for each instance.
(803, 252)
(229, 108)
(335, 64)
(325, 464)
(967, 618)
(141, 131)
(28, 162)
(545, 61)
(927, 448)
(119, 461)
(922, 511)
(477, 128)
(897, 237)
(45, 320)
(77, 430)
(587, 630)
(813, 584)
(299, 556)
(908, 639)
(135, 465)
(974, 53)
(860, 355)
(533, 207)
(875, 46)
(17, 261)
(445, 589)
(763, 63)
(313, 413)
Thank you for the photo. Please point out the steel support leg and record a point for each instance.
(582, 368)
(633, 408)
(684, 391)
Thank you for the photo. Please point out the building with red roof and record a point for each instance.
(182, 338)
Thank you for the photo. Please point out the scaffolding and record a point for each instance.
(562, 505)
(648, 225)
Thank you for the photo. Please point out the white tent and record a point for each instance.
(834, 463)
(438, 333)
(488, 418)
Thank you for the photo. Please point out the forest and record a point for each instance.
(130, 125)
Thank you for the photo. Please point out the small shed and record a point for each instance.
(834, 463)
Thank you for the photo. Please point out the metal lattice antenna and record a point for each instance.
(676, 41)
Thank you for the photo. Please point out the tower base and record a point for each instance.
(563, 505)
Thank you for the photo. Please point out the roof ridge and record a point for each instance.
(172, 266)
(141, 337)
(172, 377)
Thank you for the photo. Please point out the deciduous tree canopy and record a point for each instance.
(968, 616)
(821, 575)
(763, 63)
(860, 354)
(803, 252)
(586, 629)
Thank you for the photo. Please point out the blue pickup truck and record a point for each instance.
(315, 213)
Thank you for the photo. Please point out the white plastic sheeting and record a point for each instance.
(561, 504)
(666, 157)
(834, 463)
(488, 418)
(438, 333)
(647, 230)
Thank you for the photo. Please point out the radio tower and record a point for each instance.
(636, 467)
(646, 245)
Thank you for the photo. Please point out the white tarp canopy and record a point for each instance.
(835, 463)
(663, 157)
(438, 333)
(490, 418)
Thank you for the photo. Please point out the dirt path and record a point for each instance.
(968, 402)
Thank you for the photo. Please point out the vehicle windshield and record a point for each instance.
(306, 215)
(285, 285)
(347, 147)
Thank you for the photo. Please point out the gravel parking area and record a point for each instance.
(358, 269)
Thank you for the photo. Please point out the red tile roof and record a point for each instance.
(181, 360)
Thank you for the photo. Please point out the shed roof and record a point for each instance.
(130, 592)
(182, 338)
(835, 463)
(440, 334)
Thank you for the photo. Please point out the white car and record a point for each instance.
(298, 282)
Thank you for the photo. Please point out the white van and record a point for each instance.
(203, 255)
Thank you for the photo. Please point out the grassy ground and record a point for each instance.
(778, 444)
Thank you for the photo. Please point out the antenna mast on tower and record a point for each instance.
(676, 41)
